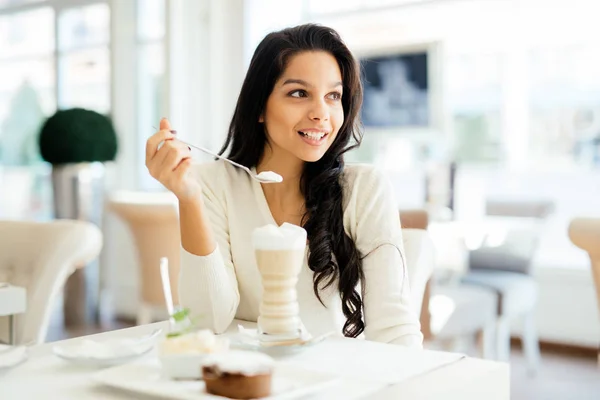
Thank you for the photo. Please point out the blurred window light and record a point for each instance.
(151, 17)
(27, 82)
(151, 85)
(564, 107)
(84, 79)
(54, 54)
(324, 7)
(84, 27)
(151, 93)
(474, 90)
(36, 74)
(27, 33)
(316, 7)
(12, 3)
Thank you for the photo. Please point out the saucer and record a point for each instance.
(250, 339)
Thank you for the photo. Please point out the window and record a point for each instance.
(318, 7)
(84, 59)
(8, 3)
(37, 76)
(564, 91)
(152, 82)
(27, 96)
(474, 89)
(27, 83)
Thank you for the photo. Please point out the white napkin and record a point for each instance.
(12, 355)
(4, 285)
(372, 361)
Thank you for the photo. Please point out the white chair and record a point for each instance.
(504, 267)
(40, 256)
(585, 234)
(153, 220)
(419, 252)
(460, 313)
(452, 312)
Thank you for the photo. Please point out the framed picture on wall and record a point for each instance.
(401, 88)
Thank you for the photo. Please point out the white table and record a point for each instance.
(13, 301)
(45, 375)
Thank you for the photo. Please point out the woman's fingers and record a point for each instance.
(165, 124)
(168, 161)
(153, 142)
(183, 168)
(177, 151)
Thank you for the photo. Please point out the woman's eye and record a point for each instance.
(335, 96)
(298, 93)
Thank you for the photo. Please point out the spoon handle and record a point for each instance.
(202, 149)
(166, 284)
(214, 155)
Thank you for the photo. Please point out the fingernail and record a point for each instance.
(173, 131)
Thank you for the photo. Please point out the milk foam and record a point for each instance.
(285, 237)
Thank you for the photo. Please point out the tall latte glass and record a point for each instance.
(279, 255)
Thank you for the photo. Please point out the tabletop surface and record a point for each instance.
(366, 370)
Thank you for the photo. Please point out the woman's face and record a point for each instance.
(304, 111)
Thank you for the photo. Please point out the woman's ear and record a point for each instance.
(261, 119)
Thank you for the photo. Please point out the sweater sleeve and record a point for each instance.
(208, 284)
(388, 314)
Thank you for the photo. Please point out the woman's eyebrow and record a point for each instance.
(304, 83)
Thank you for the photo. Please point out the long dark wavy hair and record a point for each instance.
(332, 253)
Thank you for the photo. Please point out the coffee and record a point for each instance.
(279, 256)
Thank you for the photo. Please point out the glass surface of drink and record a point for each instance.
(279, 253)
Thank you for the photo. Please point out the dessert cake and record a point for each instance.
(238, 374)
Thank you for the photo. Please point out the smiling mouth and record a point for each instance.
(313, 136)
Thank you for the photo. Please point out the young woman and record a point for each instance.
(297, 114)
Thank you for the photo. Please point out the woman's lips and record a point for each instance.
(312, 139)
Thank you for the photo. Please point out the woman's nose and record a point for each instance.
(319, 111)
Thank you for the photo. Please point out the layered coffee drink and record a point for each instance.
(279, 255)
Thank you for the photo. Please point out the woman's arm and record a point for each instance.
(207, 279)
(388, 313)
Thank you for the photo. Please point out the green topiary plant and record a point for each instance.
(77, 135)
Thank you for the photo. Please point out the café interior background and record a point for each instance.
(511, 93)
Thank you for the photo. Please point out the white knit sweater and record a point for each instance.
(226, 284)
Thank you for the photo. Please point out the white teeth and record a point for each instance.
(315, 136)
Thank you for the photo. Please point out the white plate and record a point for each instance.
(289, 382)
(98, 361)
(108, 352)
(11, 356)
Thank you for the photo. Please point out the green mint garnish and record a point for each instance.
(181, 315)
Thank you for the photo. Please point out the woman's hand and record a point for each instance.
(170, 164)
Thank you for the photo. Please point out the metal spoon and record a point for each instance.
(263, 177)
